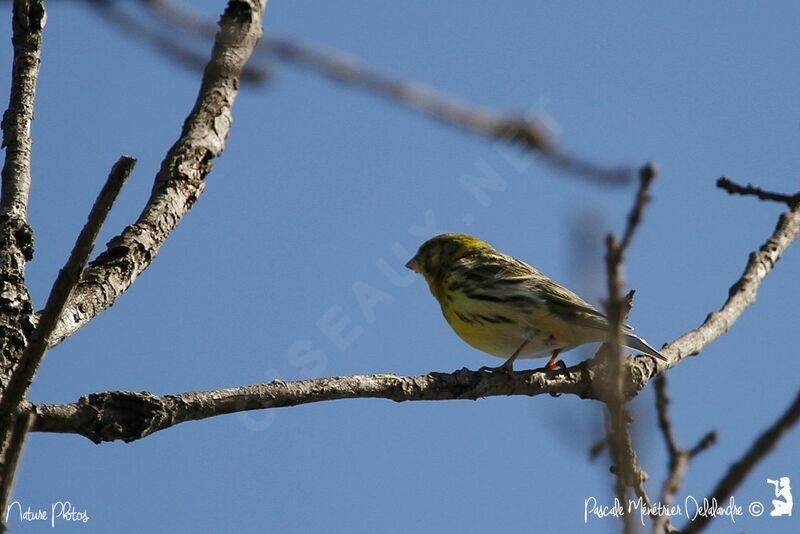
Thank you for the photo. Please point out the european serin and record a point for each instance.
(505, 307)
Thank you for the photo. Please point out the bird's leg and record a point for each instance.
(508, 365)
(554, 364)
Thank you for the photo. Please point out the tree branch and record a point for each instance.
(628, 471)
(29, 18)
(646, 176)
(516, 128)
(762, 446)
(618, 435)
(23, 373)
(340, 68)
(16, 236)
(664, 421)
(705, 442)
(679, 458)
(181, 179)
(129, 416)
(735, 189)
(8, 470)
(741, 295)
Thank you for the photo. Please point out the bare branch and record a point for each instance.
(620, 442)
(735, 189)
(646, 176)
(341, 68)
(677, 471)
(678, 457)
(16, 236)
(29, 18)
(22, 375)
(181, 179)
(515, 128)
(618, 434)
(741, 295)
(762, 446)
(130, 416)
(14, 449)
(67, 278)
(597, 448)
(705, 443)
(664, 421)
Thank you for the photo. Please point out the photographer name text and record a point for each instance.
(691, 509)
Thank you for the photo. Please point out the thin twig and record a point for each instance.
(677, 462)
(65, 282)
(344, 69)
(737, 472)
(646, 176)
(740, 296)
(664, 421)
(618, 424)
(14, 448)
(597, 448)
(678, 458)
(735, 189)
(705, 443)
(618, 436)
(532, 134)
(627, 469)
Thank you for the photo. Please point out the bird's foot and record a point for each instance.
(506, 368)
(555, 365)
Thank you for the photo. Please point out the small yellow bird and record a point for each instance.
(505, 307)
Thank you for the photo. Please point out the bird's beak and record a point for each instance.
(413, 264)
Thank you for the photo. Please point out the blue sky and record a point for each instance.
(323, 189)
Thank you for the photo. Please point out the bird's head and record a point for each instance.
(440, 252)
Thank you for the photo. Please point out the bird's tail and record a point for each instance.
(635, 342)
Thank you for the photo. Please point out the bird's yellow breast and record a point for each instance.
(499, 329)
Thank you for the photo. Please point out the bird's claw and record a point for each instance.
(557, 365)
(505, 369)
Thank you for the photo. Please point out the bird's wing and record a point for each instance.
(520, 280)
(564, 303)
(517, 278)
